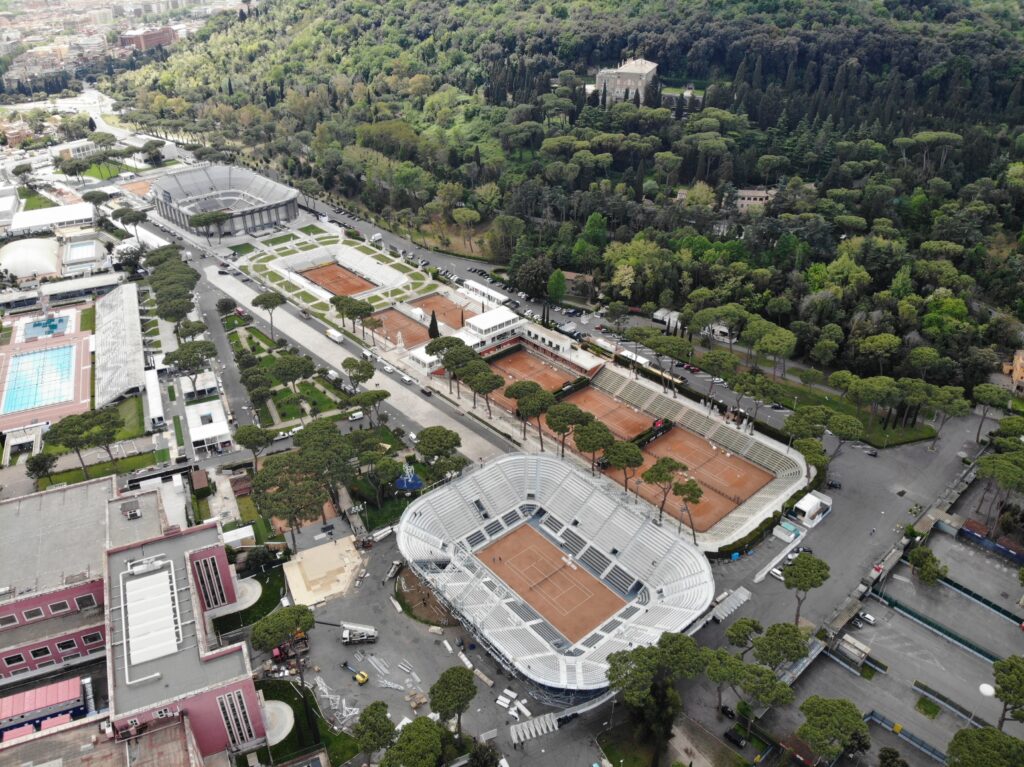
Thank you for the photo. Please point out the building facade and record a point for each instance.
(145, 39)
(629, 78)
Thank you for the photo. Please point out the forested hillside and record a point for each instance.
(892, 131)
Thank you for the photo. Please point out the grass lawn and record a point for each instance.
(233, 321)
(316, 397)
(928, 707)
(263, 337)
(328, 240)
(275, 277)
(247, 509)
(382, 258)
(178, 436)
(623, 750)
(261, 268)
(280, 239)
(306, 298)
(311, 229)
(306, 246)
(202, 508)
(34, 200)
(244, 249)
(395, 293)
(172, 393)
(105, 170)
(291, 287)
(273, 589)
(130, 411)
(403, 268)
(87, 319)
(105, 469)
(340, 747)
(367, 250)
(264, 415)
(287, 404)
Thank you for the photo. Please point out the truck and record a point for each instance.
(292, 649)
(353, 633)
(337, 336)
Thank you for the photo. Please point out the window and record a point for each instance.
(72, 655)
(8, 620)
(84, 601)
(210, 583)
(59, 607)
(46, 663)
(34, 614)
(236, 718)
(162, 713)
(92, 638)
(133, 722)
(41, 652)
(14, 660)
(67, 644)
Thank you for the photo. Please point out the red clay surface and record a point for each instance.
(569, 598)
(448, 312)
(338, 280)
(413, 333)
(727, 480)
(624, 421)
(521, 365)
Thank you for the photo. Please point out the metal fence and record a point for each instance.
(903, 734)
(938, 628)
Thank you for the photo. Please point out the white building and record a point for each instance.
(494, 325)
(74, 150)
(206, 386)
(47, 219)
(208, 427)
(480, 292)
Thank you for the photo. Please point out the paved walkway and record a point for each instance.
(403, 397)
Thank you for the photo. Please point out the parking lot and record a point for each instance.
(986, 574)
(955, 611)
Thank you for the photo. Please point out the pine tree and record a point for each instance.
(433, 330)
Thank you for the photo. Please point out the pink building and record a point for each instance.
(86, 571)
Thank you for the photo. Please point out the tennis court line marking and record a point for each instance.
(544, 580)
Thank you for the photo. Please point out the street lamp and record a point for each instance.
(987, 691)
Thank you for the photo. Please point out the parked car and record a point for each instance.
(777, 406)
(868, 618)
(797, 552)
(735, 739)
(727, 712)
(426, 392)
(835, 484)
(857, 623)
(776, 573)
(388, 369)
(872, 452)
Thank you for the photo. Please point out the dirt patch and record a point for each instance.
(418, 600)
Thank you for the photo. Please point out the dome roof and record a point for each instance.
(27, 258)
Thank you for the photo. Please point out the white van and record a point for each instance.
(334, 375)
(406, 379)
(367, 355)
(377, 237)
(868, 618)
(776, 573)
(356, 416)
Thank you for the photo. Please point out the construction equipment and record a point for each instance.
(292, 649)
(354, 633)
(359, 677)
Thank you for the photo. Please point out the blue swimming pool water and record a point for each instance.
(47, 327)
(40, 378)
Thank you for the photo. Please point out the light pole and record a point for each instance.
(987, 691)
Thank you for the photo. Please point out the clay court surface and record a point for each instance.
(566, 595)
(448, 312)
(624, 421)
(727, 480)
(394, 322)
(521, 365)
(338, 280)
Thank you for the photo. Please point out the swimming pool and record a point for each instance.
(39, 378)
(47, 327)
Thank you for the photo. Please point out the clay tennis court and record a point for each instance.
(624, 421)
(564, 593)
(447, 311)
(727, 480)
(338, 280)
(521, 365)
(394, 322)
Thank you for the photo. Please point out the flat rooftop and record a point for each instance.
(58, 537)
(154, 651)
(166, 746)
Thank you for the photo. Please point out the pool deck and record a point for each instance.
(79, 402)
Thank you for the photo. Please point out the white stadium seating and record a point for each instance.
(669, 581)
